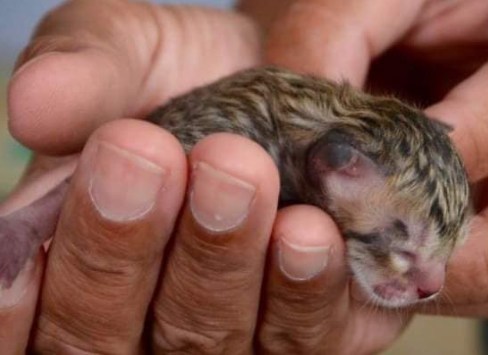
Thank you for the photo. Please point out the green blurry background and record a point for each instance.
(12, 155)
(426, 336)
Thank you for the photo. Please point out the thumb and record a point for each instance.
(128, 58)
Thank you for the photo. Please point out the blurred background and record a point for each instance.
(425, 336)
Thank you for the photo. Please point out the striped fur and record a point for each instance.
(287, 113)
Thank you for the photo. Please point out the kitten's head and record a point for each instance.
(399, 192)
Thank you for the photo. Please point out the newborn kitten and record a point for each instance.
(388, 175)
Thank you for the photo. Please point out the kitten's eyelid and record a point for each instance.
(339, 156)
(354, 168)
(400, 227)
(369, 238)
(366, 238)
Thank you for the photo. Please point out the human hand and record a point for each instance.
(431, 52)
(113, 281)
(331, 299)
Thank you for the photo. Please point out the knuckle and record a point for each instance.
(63, 336)
(171, 338)
(101, 245)
(110, 272)
(90, 254)
(275, 339)
(297, 322)
(307, 302)
(229, 255)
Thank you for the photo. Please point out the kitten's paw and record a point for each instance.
(24, 231)
(16, 248)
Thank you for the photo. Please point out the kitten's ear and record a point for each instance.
(336, 153)
(442, 126)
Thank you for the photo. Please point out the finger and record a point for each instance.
(42, 175)
(308, 306)
(465, 292)
(18, 307)
(466, 110)
(209, 298)
(18, 301)
(130, 57)
(29, 215)
(467, 17)
(335, 38)
(106, 253)
(306, 295)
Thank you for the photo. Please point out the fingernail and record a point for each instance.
(299, 262)
(219, 202)
(12, 295)
(124, 186)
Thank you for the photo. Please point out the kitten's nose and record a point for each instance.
(429, 278)
(423, 294)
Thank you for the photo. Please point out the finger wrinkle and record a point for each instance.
(163, 33)
(61, 348)
(104, 252)
(222, 271)
(204, 44)
(53, 337)
(115, 275)
(155, 41)
(171, 338)
(295, 340)
(99, 315)
(219, 260)
(122, 29)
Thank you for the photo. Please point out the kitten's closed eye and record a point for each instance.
(336, 165)
(338, 156)
(366, 238)
(333, 151)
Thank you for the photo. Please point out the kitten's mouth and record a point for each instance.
(398, 294)
(397, 291)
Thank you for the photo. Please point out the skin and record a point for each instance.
(324, 306)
